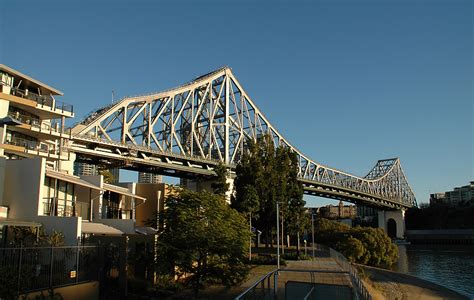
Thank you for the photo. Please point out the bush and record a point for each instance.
(267, 260)
(295, 256)
(363, 245)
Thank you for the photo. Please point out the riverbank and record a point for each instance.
(384, 284)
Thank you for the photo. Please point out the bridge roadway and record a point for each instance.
(145, 159)
(186, 131)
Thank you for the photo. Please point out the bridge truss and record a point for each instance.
(187, 130)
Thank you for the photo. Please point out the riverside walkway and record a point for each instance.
(322, 278)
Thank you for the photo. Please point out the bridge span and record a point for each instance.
(186, 131)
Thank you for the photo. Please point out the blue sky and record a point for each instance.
(347, 82)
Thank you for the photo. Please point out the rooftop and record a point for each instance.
(31, 81)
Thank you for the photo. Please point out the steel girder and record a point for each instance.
(209, 119)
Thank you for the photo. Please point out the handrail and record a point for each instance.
(47, 100)
(269, 274)
(359, 289)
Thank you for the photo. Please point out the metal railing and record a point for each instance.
(43, 100)
(267, 286)
(37, 123)
(278, 284)
(30, 145)
(346, 266)
(24, 270)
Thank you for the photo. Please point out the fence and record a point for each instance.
(24, 270)
(346, 266)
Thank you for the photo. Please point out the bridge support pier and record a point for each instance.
(206, 185)
(393, 222)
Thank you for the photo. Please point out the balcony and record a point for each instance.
(39, 126)
(35, 147)
(43, 100)
(109, 212)
(66, 208)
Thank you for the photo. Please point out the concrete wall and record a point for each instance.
(23, 187)
(398, 216)
(68, 165)
(3, 163)
(84, 195)
(155, 199)
(193, 185)
(96, 195)
(70, 226)
(125, 225)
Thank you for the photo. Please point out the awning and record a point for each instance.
(71, 179)
(122, 191)
(99, 229)
(16, 222)
(146, 230)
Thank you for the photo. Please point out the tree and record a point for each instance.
(272, 173)
(364, 245)
(204, 238)
(220, 184)
(108, 176)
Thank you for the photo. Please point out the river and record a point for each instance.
(451, 266)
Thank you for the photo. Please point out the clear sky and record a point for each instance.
(347, 82)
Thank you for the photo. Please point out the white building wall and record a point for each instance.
(70, 226)
(23, 187)
(96, 195)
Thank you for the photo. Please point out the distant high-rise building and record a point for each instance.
(459, 195)
(149, 178)
(86, 169)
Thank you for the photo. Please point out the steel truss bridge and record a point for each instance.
(186, 131)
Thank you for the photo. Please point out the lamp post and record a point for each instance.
(278, 237)
(312, 227)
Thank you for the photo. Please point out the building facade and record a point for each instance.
(149, 178)
(32, 119)
(37, 185)
(340, 211)
(463, 195)
(87, 169)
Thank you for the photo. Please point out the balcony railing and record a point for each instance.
(66, 208)
(43, 100)
(30, 145)
(38, 124)
(109, 212)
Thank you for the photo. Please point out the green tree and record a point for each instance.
(203, 237)
(108, 177)
(220, 184)
(364, 245)
(273, 175)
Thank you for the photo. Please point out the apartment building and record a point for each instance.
(463, 195)
(87, 169)
(32, 119)
(37, 185)
(149, 178)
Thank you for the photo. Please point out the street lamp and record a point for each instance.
(278, 237)
(312, 226)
